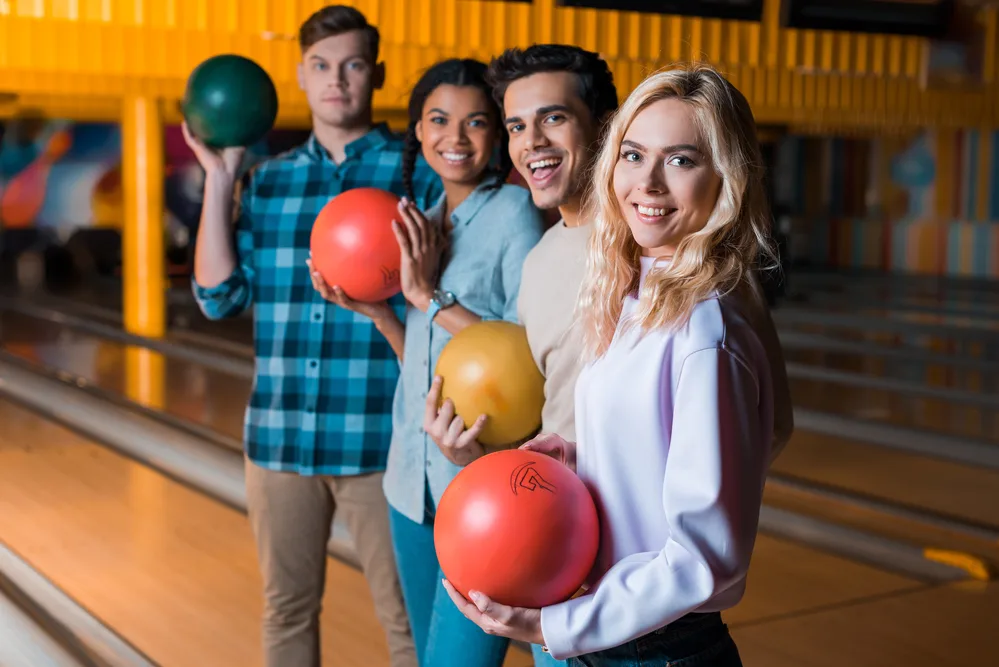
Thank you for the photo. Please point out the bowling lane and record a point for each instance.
(169, 569)
(929, 414)
(185, 390)
(972, 378)
(952, 488)
(946, 626)
(216, 401)
(176, 574)
(953, 339)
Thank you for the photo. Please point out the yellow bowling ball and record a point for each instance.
(487, 368)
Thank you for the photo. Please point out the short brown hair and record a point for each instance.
(337, 20)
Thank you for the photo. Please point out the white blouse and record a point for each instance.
(675, 436)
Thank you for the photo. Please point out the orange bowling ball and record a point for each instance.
(353, 244)
(488, 369)
(519, 527)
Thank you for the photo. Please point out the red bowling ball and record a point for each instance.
(353, 244)
(519, 527)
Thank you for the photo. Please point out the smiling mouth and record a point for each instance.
(542, 170)
(455, 158)
(653, 214)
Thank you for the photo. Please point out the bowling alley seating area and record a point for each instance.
(124, 539)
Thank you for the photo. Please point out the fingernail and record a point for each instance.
(475, 596)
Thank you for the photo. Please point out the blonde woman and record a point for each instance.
(683, 401)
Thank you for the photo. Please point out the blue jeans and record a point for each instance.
(696, 640)
(442, 634)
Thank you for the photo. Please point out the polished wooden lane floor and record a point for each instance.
(217, 400)
(176, 573)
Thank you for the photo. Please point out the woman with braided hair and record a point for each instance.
(461, 263)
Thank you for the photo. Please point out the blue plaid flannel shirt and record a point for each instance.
(325, 377)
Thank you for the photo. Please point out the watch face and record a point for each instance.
(444, 298)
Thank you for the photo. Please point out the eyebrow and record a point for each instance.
(474, 114)
(539, 112)
(667, 149)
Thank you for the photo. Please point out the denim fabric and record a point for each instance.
(696, 640)
(442, 634)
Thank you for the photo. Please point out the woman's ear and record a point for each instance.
(419, 131)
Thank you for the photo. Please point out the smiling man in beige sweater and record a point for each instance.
(555, 100)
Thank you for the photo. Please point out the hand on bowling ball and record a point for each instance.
(459, 446)
(336, 295)
(554, 446)
(517, 623)
(421, 245)
(225, 161)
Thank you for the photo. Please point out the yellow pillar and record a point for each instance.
(145, 377)
(143, 257)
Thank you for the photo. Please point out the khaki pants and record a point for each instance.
(291, 516)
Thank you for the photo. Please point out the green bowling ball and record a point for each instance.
(230, 101)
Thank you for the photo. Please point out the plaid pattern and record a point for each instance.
(325, 377)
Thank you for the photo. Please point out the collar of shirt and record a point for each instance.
(466, 210)
(377, 136)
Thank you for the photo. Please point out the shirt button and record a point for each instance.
(313, 363)
(317, 317)
(310, 408)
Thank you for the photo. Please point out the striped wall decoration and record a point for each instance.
(858, 216)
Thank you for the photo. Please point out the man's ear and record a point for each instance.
(301, 75)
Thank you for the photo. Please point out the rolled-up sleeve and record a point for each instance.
(234, 294)
(711, 495)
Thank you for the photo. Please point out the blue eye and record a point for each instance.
(515, 128)
(631, 156)
(320, 66)
(439, 120)
(680, 161)
(477, 123)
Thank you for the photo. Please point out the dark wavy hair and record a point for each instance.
(454, 72)
(596, 81)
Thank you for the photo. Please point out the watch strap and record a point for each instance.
(433, 309)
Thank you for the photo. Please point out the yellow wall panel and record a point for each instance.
(792, 75)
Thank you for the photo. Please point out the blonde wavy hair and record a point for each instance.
(715, 260)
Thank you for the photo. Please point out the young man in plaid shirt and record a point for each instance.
(318, 425)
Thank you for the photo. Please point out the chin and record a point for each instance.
(338, 118)
(549, 198)
(464, 174)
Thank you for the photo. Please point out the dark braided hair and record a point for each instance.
(454, 72)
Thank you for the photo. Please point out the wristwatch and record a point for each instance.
(440, 300)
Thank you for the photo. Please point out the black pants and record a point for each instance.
(696, 640)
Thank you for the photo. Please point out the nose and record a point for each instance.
(653, 179)
(338, 77)
(535, 137)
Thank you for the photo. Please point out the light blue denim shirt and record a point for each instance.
(493, 230)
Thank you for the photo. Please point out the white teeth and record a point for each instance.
(550, 162)
(651, 212)
(456, 157)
